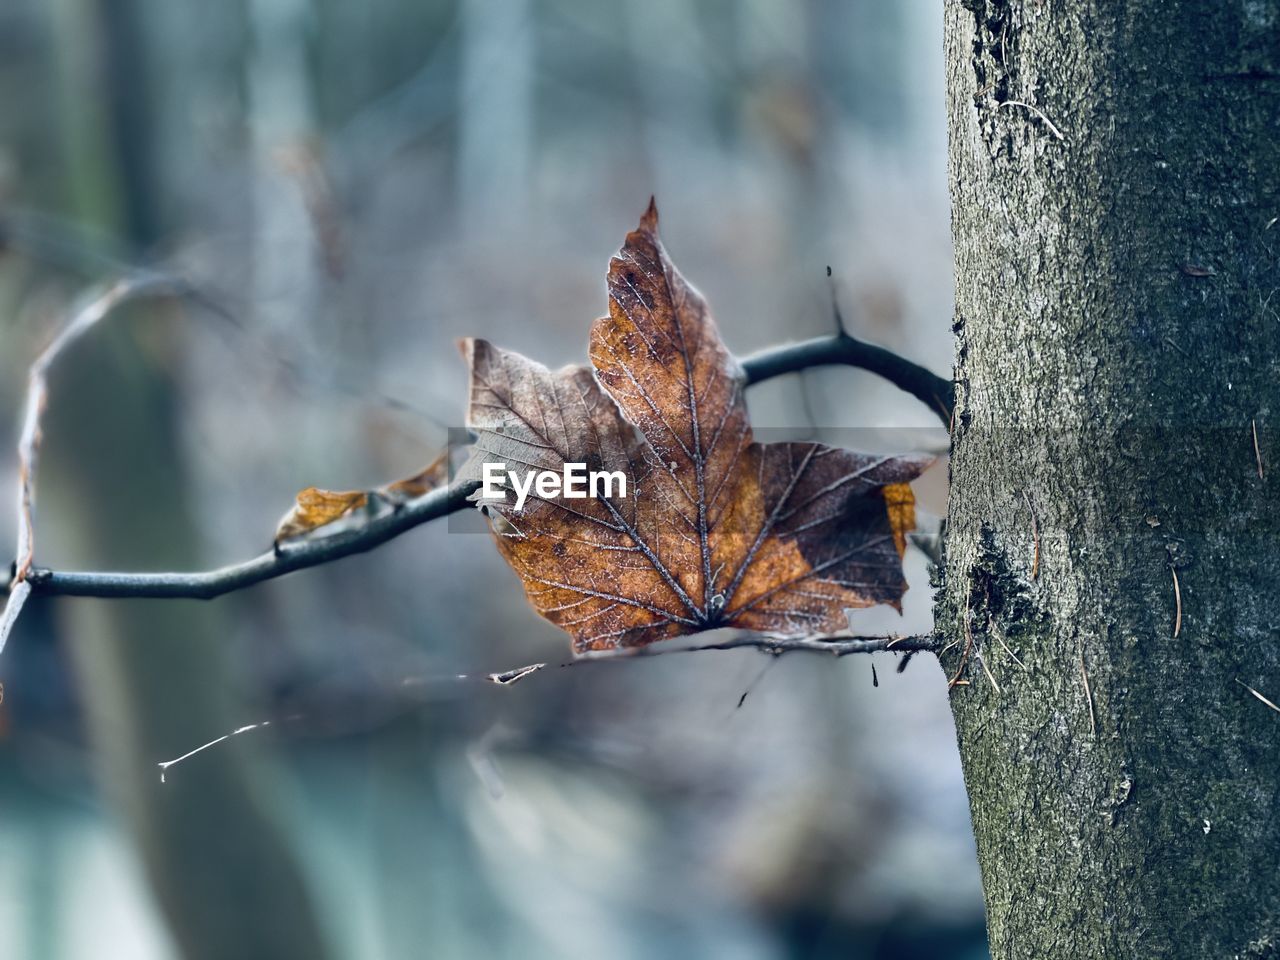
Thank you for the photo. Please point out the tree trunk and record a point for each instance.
(155, 678)
(1113, 519)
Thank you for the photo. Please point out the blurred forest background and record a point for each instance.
(356, 185)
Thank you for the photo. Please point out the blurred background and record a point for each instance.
(354, 186)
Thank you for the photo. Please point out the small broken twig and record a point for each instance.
(968, 648)
(1005, 646)
(164, 765)
(84, 319)
(982, 662)
(1257, 450)
(1088, 695)
(835, 644)
(1038, 112)
(506, 678)
(13, 606)
(1258, 695)
(1177, 603)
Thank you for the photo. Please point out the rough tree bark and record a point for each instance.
(1116, 268)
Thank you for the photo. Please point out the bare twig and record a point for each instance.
(1257, 451)
(135, 287)
(842, 349)
(982, 662)
(832, 644)
(1038, 112)
(968, 648)
(836, 644)
(506, 678)
(1258, 695)
(1088, 695)
(1177, 603)
(164, 765)
(206, 585)
(84, 319)
(836, 314)
(13, 606)
(1005, 646)
(839, 348)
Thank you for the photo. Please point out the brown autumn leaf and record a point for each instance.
(314, 508)
(433, 475)
(716, 529)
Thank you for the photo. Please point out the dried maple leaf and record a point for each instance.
(716, 529)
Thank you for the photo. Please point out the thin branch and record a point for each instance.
(1005, 646)
(1038, 112)
(205, 585)
(164, 765)
(832, 644)
(837, 349)
(409, 690)
(982, 662)
(132, 288)
(208, 584)
(505, 678)
(1258, 695)
(1257, 451)
(968, 648)
(12, 607)
(1088, 695)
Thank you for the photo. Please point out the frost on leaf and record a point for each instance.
(716, 529)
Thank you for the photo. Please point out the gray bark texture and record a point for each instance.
(1112, 525)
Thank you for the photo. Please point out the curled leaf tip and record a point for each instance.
(467, 346)
(649, 222)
